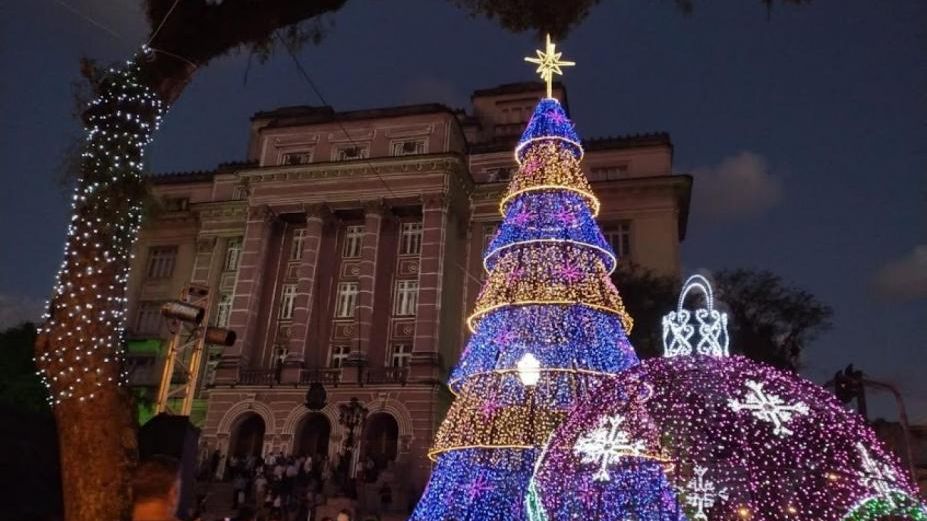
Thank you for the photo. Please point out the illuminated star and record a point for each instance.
(549, 63)
(571, 273)
(478, 486)
(556, 117)
(505, 337)
(514, 275)
(566, 217)
(523, 218)
(532, 166)
(489, 408)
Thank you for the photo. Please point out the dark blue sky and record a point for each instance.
(807, 132)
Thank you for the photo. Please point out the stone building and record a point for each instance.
(347, 251)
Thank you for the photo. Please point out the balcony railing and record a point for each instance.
(257, 377)
(386, 375)
(324, 376)
(329, 376)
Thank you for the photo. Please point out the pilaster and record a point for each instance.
(306, 285)
(248, 288)
(431, 269)
(374, 212)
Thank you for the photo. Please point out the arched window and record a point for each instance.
(248, 436)
(381, 443)
(312, 436)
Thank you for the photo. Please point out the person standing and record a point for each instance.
(156, 489)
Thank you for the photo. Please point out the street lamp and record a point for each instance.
(350, 415)
(529, 370)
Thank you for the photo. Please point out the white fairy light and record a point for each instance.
(119, 124)
(701, 494)
(768, 407)
(678, 331)
(606, 444)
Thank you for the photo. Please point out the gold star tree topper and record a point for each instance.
(549, 63)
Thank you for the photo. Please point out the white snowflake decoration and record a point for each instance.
(768, 407)
(606, 444)
(877, 476)
(678, 330)
(701, 494)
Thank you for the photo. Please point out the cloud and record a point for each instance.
(15, 309)
(740, 186)
(904, 278)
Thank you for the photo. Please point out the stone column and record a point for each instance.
(431, 269)
(373, 219)
(247, 300)
(316, 215)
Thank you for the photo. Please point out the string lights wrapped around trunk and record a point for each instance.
(84, 321)
(746, 440)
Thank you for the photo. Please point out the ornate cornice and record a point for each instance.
(319, 211)
(453, 164)
(222, 210)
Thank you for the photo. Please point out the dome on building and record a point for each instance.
(741, 440)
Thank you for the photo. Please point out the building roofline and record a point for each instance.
(650, 139)
(516, 88)
(174, 178)
(307, 115)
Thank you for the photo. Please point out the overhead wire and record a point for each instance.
(312, 85)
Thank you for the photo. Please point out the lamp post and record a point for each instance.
(529, 372)
(350, 415)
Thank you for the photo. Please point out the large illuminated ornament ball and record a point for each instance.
(742, 440)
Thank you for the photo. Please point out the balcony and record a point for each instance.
(328, 376)
(257, 377)
(324, 376)
(386, 375)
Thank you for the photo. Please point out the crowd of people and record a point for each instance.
(289, 488)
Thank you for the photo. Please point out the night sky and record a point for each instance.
(806, 133)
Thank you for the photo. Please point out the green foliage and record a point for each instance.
(20, 386)
(768, 320)
(558, 18)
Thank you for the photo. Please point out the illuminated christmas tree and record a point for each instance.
(549, 327)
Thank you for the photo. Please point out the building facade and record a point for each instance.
(347, 252)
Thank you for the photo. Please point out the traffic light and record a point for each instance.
(848, 384)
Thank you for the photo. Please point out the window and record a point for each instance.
(296, 246)
(148, 319)
(350, 152)
(287, 300)
(338, 356)
(619, 236)
(495, 175)
(408, 147)
(489, 233)
(609, 173)
(224, 310)
(161, 262)
(232, 254)
(347, 300)
(399, 355)
(406, 297)
(410, 239)
(240, 193)
(296, 158)
(353, 238)
(176, 204)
